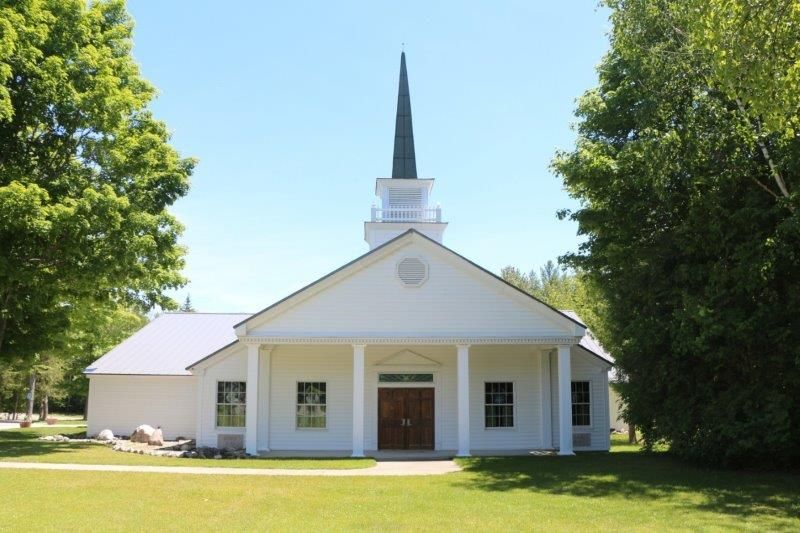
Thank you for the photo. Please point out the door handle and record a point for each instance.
(408, 422)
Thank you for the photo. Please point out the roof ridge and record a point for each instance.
(203, 313)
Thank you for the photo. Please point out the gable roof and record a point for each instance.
(168, 344)
(406, 235)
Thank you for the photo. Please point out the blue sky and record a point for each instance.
(289, 107)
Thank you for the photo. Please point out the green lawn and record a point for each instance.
(625, 490)
(24, 445)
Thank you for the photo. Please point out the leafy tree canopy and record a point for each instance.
(86, 172)
(562, 289)
(688, 236)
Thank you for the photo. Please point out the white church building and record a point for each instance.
(409, 347)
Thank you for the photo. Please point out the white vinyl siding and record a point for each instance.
(330, 364)
(517, 364)
(456, 299)
(121, 403)
(230, 367)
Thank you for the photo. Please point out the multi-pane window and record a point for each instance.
(581, 405)
(499, 404)
(231, 400)
(311, 404)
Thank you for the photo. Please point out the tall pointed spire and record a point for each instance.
(405, 163)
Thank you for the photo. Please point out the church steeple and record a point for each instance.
(404, 198)
(404, 165)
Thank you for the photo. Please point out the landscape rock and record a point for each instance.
(106, 434)
(142, 433)
(157, 438)
(55, 438)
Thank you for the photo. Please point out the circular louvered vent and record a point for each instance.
(412, 271)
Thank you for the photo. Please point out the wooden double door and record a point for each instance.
(405, 418)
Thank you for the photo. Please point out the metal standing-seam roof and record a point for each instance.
(168, 344)
(588, 342)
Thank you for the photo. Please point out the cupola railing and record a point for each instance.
(407, 214)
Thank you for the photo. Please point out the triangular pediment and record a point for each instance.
(370, 297)
(407, 358)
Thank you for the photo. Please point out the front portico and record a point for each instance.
(455, 370)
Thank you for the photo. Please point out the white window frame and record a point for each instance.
(589, 403)
(297, 404)
(513, 426)
(217, 404)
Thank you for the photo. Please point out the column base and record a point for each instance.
(463, 454)
(565, 453)
(355, 455)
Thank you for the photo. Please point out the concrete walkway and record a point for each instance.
(382, 468)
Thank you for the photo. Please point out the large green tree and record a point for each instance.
(693, 243)
(86, 172)
(94, 329)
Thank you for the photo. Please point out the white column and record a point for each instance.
(265, 368)
(547, 407)
(564, 401)
(463, 400)
(251, 413)
(358, 400)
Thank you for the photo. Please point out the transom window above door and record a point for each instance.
(405, 378)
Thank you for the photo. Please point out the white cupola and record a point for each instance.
(404, 198)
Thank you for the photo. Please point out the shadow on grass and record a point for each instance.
(20, 443)
(641, 478)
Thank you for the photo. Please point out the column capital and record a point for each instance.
(358, 345)
(463, 346)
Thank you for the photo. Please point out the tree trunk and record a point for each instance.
(3, 317)
(31, 393)
(632, 434)
(44, 409)
(16, 404)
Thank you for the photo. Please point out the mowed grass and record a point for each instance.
(626, 490)
(24, 445)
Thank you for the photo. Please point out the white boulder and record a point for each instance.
(106, 434)
(142, 433)
(157, 438)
